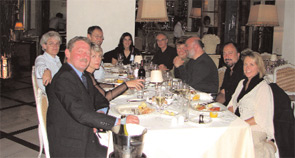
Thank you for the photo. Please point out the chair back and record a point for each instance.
(221, 72)
(42, 106)
(34, 81)
(138, 43)
(284, 77)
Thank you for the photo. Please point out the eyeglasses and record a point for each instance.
(161, 40)
(51, 44)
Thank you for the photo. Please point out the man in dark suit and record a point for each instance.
(74, 105)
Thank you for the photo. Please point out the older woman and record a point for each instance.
(253, 102)
(48, 64)
(182, 53)
(125, 48)
(96, 57)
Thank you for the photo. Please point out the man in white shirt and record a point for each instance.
(178, 31)
(95, 34)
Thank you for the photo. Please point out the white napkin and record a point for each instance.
(205, 96)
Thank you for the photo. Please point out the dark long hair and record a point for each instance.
(121, 46)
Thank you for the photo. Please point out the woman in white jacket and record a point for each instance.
(48, 63)
(253, 102)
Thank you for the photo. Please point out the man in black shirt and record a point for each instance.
(200, 72)
(233, 74)
(165, 55)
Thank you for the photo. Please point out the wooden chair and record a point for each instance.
(221, 72)
(41, 107)
(284, 77)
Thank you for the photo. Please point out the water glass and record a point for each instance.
(140, 94)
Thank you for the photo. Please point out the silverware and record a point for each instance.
(135, 100)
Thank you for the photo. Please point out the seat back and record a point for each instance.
(221, 72)
(138, 43)
(34, 81)
(42, 106)
(284, 77)
(215, 58)
(283, 122)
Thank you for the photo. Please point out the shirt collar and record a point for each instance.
(79, 73)
(56, 59)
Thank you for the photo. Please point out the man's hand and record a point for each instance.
(177, 61)
(221, 97)
(163, 67)
(130, 119)
(46, 77)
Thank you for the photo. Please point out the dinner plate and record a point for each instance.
(216, 107)
(206, 120)
(131, 109)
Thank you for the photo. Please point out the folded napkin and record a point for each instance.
(205, 96)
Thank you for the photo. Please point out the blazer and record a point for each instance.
(72, 115)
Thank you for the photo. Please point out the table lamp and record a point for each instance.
(263, 16)
(156, 77)
(137, 59)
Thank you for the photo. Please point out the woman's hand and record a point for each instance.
(46, 77)
(177, 61)
(231, 109)
(114, 61)
(138, 84)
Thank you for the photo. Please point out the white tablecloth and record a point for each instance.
(226, 136)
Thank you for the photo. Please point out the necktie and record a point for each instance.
(84, 80)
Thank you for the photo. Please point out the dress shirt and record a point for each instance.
(178, 32)
(165, 57)
(43, 62)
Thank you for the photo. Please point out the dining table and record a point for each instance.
(170, 136)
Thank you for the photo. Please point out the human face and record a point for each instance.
(79, 57)
(190, 48)
(162, 41)
(52, 46)
(127, 41)
(181, 51)
(230, 55)
(250, 68)
(96, 37)
(95, 60)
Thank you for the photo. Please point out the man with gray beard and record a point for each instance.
(233, 73)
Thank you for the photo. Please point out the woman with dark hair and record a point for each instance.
(126, 49)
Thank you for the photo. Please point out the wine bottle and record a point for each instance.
(123, 128)
(141, 71)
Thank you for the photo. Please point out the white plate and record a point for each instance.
(207, 109)
(206, 120)
(129, 109)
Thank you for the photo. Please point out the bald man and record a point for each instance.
(200, 72)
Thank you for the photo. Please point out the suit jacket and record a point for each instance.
(72, 115)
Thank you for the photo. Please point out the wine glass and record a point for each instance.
(160, 99)
(120, 59)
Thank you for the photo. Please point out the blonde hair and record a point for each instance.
(257, 58)
(96, 48)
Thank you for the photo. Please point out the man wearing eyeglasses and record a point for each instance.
(95, 35)
(165, 55)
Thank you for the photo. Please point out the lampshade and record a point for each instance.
(156, 76)
(137, 59)
(196, 13)
(18, 26)
(152, 11)
(263, 15)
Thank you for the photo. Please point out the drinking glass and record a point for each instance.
(120, 59)
(160, 99)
